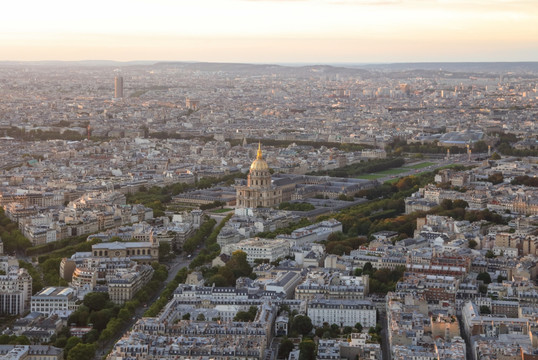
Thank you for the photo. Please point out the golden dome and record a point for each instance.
(259, 163)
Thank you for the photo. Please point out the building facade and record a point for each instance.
(124, 283)
(31, 352)
(54, 299)
(259, 191)
(15, 289)
(342, 312)
(261, 249)
(144, 252)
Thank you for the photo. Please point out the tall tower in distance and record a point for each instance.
(118, 87)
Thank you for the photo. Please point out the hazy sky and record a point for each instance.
(312, 31)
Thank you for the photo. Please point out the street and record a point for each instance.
(179, 262)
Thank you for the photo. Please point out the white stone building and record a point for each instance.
(15, 287)
(262, 249)
(54, 299)
(342, 312)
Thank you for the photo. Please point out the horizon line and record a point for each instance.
(267, 63)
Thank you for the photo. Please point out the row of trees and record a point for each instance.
(11, 236)
(192, 243)
(365, 167)
(214, 204)
(211, 248)
(67, 251)
(316, 144)
(40, 135)
(55, 245)
(107, 318)
(399, 146)
(167, 293)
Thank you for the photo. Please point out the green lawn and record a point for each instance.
(218, 211)
(384, 173)
(420, 165)
(370, 176)
(395, 171)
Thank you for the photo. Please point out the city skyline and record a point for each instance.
(273, 31)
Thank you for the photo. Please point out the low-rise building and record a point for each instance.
(54, 299)
(261, 249)
(334, 287)
(30, 352)
(123, 284)
(342, 312)
(141, 252)
(15, 287)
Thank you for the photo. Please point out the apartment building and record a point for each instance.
(342, 312)
(52, 299)
(15, 288)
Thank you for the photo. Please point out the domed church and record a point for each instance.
(259, 191)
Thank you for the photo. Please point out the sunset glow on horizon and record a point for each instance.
(321, 31)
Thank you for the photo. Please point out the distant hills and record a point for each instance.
(524, 66)
(267, 68)
(363, 70)
(79, 63)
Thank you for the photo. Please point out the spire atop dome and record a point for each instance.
(259, 155)
(259, 164)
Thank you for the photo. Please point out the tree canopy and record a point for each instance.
(246, 316)
(485, 277)
(82, 352)
(301, 324)
(308, 350)
(96, 301)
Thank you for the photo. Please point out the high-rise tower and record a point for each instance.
(118, 87)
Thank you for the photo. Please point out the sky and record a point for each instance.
(270, 31)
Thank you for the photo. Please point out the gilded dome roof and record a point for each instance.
(259, 163)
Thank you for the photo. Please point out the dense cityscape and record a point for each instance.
(183, 210)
